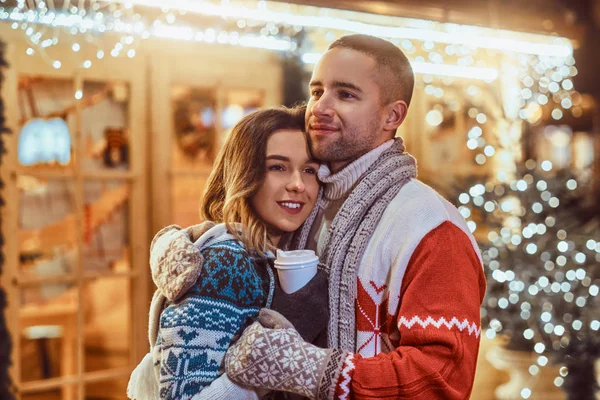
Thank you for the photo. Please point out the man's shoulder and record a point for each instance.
(416, 210)
(417, 201)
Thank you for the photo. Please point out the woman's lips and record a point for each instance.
(290, 207)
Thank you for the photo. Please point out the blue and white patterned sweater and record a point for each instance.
(196, 330)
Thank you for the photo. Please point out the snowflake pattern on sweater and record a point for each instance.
(196, 330)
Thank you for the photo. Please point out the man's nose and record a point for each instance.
(323, 106)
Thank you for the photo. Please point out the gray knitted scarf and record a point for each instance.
(349, 235)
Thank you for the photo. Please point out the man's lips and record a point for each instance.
(291, 207)
(322, 128)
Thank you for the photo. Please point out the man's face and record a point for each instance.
(344, 117)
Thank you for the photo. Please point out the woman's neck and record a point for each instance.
(274, 238)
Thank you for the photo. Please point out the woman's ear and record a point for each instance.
(395, 115)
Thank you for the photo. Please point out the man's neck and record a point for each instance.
(337, 166)
(339, 182)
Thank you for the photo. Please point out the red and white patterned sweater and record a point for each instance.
(419, 291)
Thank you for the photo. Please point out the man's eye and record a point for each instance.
(347, 95)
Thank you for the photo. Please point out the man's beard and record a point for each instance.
(344, 147)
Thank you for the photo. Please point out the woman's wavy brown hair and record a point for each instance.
(239, 171)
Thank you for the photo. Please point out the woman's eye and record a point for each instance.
(310, 170)
(316, 93)
(275, 167)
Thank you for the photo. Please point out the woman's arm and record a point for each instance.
(196, 331)
(224, 388)
(143, 385)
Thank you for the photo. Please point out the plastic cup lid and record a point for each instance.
(295, 257)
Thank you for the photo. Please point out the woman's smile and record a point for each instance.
(291, 207)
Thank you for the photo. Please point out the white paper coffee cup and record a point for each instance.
(295, 268)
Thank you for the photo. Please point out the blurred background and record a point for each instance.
(113, 112)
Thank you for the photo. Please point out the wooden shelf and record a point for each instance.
(88, 377)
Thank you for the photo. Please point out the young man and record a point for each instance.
(405, 275)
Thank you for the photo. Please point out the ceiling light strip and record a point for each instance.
(553, 47)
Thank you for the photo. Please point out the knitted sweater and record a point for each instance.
(419, 289)
(196, 330)
(336, 189)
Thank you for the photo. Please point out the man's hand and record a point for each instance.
(272, 355)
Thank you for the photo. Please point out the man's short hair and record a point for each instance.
(394, 73)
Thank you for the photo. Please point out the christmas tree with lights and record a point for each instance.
(540, 242)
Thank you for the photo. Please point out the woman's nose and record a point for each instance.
(296, 183)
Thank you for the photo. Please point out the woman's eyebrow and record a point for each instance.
(278, 157)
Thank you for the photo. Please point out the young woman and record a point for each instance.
(214, 278)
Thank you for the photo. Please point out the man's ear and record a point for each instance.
(396, 112)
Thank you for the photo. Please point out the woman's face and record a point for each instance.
(289, 190)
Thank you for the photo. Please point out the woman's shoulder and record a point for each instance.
(227, 253)
(231, 273)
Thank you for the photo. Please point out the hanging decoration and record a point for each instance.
(116, 152)
(45, 141)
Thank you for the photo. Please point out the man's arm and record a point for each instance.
(438, 320)
(439, 324)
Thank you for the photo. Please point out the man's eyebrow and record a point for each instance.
(278, 157)
(347, 85)
(338, 84)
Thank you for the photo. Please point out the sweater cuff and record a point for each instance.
(336, 371)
